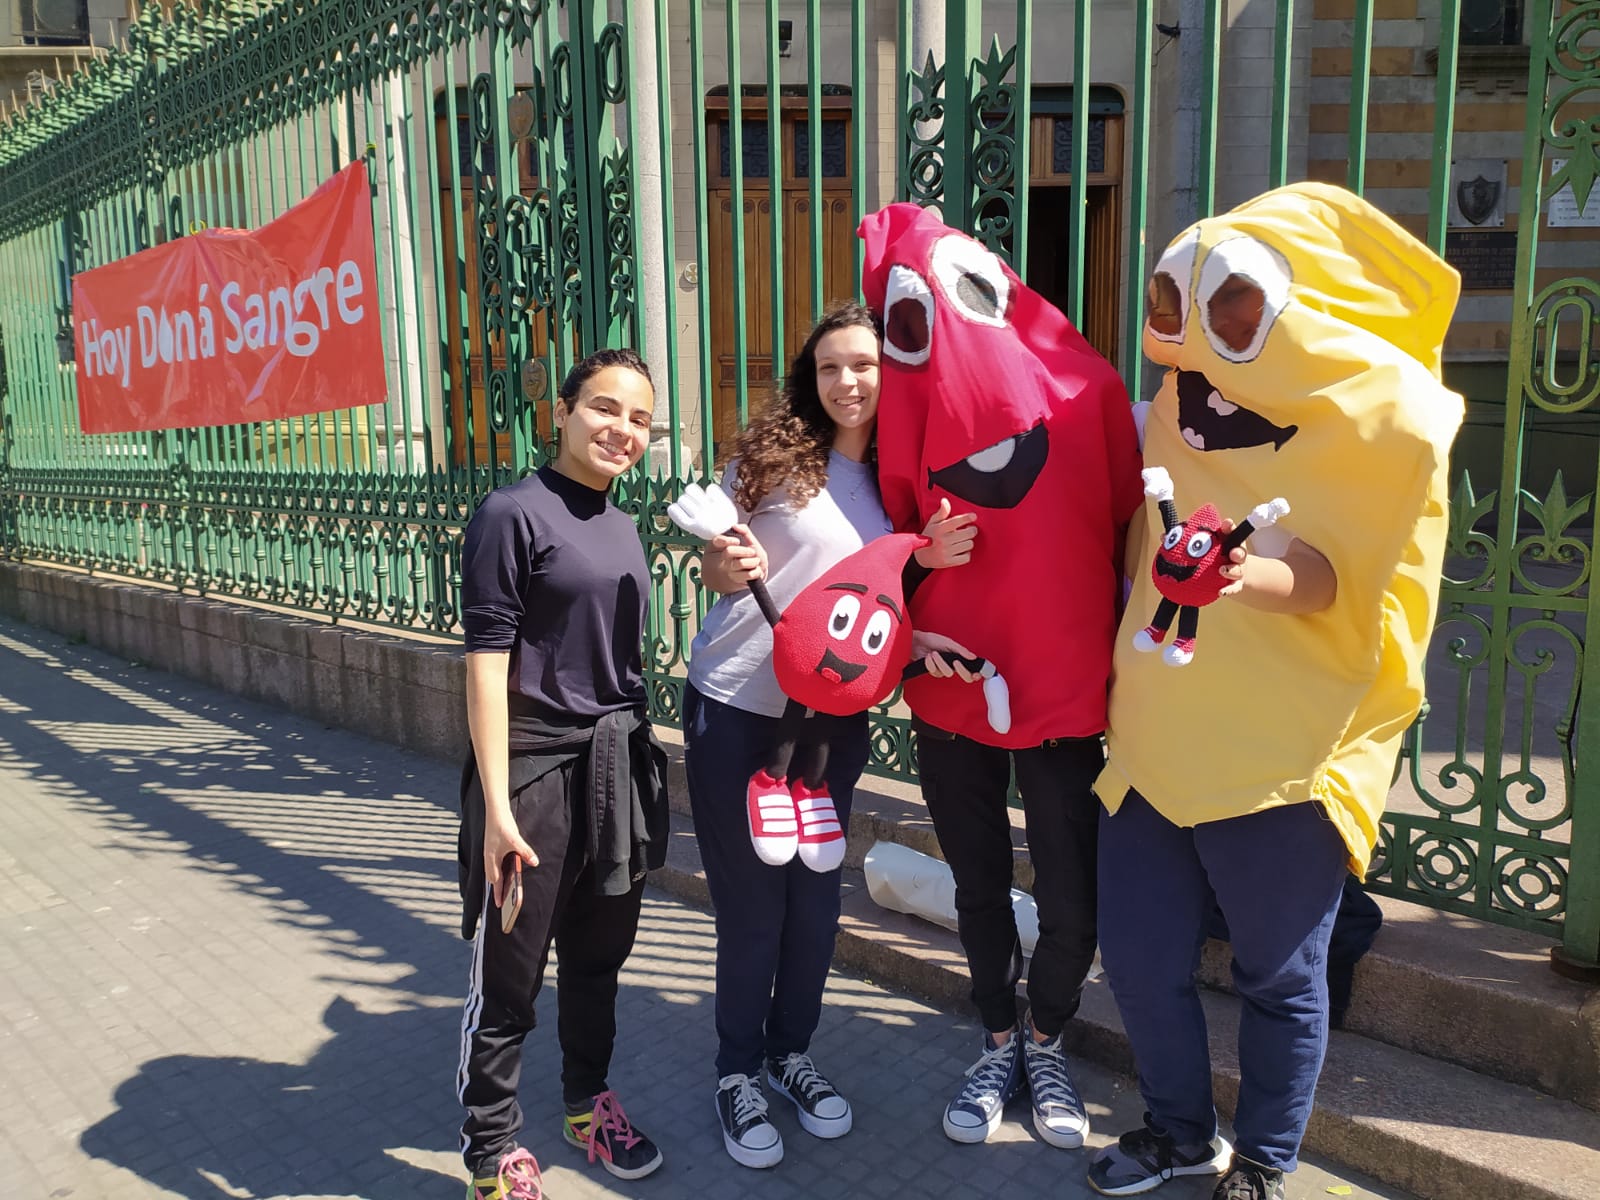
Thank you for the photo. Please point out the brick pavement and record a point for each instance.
(229, 968)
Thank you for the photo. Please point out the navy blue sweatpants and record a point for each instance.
(1277, 876)
(775, 925)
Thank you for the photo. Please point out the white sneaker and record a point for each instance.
(750, 1139)
(823, 1112)
(1058, 1113)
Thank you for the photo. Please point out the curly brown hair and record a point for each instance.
(789, 441)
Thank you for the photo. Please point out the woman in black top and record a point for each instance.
(564, 795)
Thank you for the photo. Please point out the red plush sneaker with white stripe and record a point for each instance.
(774, 831)
(821, 835)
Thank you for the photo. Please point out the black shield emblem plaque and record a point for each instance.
(1476, 198)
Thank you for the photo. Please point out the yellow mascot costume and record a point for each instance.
(1303, 334)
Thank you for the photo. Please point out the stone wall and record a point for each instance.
(405, 692)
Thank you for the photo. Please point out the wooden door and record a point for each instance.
(836, 258)
(471, 354)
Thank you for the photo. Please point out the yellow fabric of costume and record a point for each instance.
(1303, 332)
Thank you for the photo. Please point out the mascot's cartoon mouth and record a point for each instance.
(1000, 475)
(1209, 422)
(1172, 570)
(835, 670)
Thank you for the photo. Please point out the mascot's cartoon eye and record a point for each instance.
(843, 620)
(876, 636)
(1199, 545)
(1166, 304)
(1174, 536)
(973, 280)
(908, 317)
(1244, 285)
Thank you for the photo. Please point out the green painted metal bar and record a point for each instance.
(962, 32)
(734, 132)
(814, 142)
(513, 336)
(1360, 89)
(1206, 151)
(636, 138)
(702, 225)
(1499, 599)
(1444, 122)
(669, 235)
(467, 454)
(444, 439)
(585, 20)
(858, 137)
(1282, 51)
(1078, 207)
(1558, 73)
(394, 185)
(902, 97)
(775, 287)
(1138, 176)
(554, 172)
(1022, 141)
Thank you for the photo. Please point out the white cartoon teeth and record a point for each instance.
(996, 458)
(1221, 407)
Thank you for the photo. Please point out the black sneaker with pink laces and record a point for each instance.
(602, 1129)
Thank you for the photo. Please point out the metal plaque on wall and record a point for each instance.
(1477, 193)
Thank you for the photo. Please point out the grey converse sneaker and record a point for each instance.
(751, 1140)
(1143, 1159)
(823, 1112)
(1058, 1114)
(991, 1084)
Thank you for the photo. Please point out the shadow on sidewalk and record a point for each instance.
(326, 1126)
(328, 835)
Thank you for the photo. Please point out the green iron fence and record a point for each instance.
(548, 178)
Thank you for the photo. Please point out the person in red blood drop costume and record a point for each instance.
(992, 401)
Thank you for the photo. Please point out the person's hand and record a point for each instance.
(952, 538)
(1233, 569)
(501, 840)
(737, 557)
(940, 653)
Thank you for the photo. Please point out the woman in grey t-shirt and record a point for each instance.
(805, 484)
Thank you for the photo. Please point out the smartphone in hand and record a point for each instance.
(511, 874)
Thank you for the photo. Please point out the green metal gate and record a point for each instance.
(549, 178)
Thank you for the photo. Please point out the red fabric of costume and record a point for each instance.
(990, 398)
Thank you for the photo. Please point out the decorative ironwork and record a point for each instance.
(924, 136)
(994, 158)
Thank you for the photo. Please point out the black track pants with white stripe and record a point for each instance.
(593, 935)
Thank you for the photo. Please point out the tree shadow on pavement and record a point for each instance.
(257, 1128)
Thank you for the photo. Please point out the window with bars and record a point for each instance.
(1491, 22)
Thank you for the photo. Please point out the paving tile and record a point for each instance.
(230, 967)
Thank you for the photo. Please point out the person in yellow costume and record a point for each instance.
(1302, 333)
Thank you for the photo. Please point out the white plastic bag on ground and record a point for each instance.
(904, 880)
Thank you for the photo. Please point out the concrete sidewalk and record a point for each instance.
(229, 967)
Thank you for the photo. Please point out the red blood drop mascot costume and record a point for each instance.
(990, 399)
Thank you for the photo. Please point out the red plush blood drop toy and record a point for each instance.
(843, 643)
(1187, 569)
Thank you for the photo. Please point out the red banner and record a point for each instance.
(227, 326)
